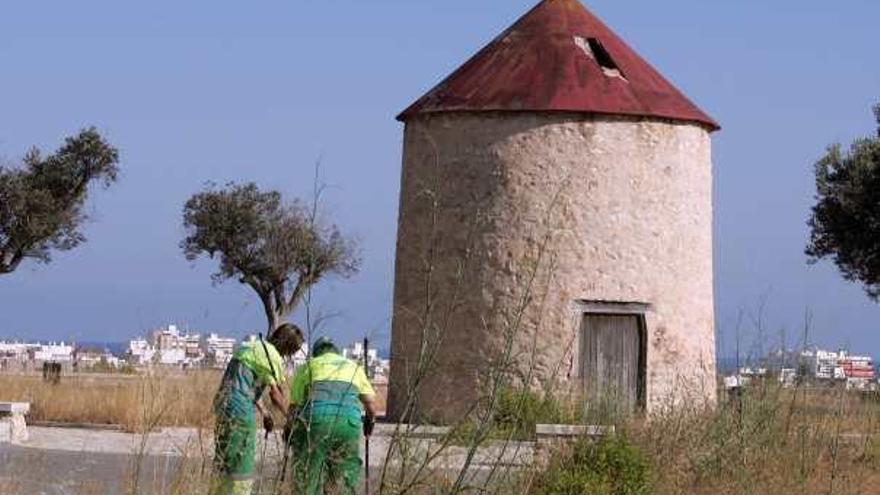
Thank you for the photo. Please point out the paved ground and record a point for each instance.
(29, 471)
(73, 461)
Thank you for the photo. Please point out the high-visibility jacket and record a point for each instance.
(246, 376)
(330, 386)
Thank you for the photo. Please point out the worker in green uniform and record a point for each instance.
(331, 401)
(255, 366)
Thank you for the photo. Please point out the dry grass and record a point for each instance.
(131, 401)
(775, 441)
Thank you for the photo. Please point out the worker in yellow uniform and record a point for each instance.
(256, 366)
(331, 401)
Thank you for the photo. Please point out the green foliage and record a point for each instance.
(278, 249)
(845, 223)
(610, 466)
(41, 203)
(519, 410)
(516, 412)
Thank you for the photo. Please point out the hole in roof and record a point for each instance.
(594, 49)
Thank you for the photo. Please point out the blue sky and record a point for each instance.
(234, 91)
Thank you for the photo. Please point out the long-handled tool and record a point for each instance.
(290, 424)
(366, 436)
(262, 463)
(268, 411)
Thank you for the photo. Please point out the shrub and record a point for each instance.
(611, 466)
(519, 410)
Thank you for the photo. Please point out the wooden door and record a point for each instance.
(613, 361)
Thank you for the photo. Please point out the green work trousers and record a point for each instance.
(325, 450)
(234, 455)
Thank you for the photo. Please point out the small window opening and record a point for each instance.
(594, 49)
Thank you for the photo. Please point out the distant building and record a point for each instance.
(168, 338)
(53, 352)
(172, 357)
(13, 350)
(20, 356)
(167, 346)
(140, 352)
(90, 358)
(376, 367)
(841, 365)
(218, 350)
(824, 364)
(192, 346)
(356, 352)
(13, 356)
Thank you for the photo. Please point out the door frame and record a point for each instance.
(639, 310)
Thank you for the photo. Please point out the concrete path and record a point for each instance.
(167, 441)
(76, 461)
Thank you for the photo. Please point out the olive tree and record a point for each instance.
(845, 222)
(279, 249)
(41, 202)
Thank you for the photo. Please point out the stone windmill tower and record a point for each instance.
(555, 224)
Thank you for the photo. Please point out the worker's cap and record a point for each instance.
(324, 345)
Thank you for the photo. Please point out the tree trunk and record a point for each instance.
(273, 320)
(277, 308)
(275, 317)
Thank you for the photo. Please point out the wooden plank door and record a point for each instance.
(612, 360)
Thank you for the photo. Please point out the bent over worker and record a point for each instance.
(256, 366)
(329, 396)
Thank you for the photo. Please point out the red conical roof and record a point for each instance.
(559, 58)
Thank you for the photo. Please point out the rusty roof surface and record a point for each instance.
(559, 57)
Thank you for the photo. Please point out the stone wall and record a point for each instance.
(508, 220)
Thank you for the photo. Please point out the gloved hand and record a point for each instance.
(369, 424)
(268, 423)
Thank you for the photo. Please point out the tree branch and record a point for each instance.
(278, 292)
(10, 259)
(304, 282)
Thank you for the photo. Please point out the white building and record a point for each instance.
(356, 353)
(376, 367)
(54, 352)
(169, 346)
(140, 352)
(192, 345)
(824, 364)
(89, 358)
(13, 350)
(172, 357)
(218, 349)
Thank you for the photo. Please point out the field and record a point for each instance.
(768, 441)
(134, 402)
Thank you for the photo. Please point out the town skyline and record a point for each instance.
(166, 346)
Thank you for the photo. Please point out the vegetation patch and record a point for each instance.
(610, 466)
